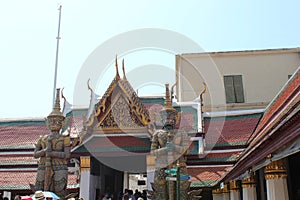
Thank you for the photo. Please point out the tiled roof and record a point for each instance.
(229, 131)
(278, 127)
(276, 107)
(203, 176)
(21, 136)
(19, 180)
(10, 159)
(212, 157)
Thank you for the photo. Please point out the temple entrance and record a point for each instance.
(115, 174)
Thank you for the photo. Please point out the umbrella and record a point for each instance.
(51, 195)
(26, 198)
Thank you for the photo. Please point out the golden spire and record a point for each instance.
(168, 103)
(123, 68)
(56, 110)
(117, 71)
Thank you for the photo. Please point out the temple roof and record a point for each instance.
(277, 129)
(21, 134)
(19, 179)
(119, 109)
(206, 176)
(230, 131)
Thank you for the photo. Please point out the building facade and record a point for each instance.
(247, 152)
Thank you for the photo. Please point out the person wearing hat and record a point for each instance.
(38, 195)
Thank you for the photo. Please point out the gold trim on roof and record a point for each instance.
(120, 108)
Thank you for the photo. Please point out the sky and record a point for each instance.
(95, 29)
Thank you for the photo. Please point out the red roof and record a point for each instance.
(206, 176)
(19, 180)
(21, 136)
(234, 130)
(10, 159)
(279, 104)
(214, 158)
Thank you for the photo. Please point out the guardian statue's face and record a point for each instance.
(168, 119)
(55, 123)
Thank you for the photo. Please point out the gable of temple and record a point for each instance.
(119, 110)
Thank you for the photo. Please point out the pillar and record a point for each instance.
(234, 189)
(275, 175)
(226, 193)
(217, 194)
(125, 181)
(249, 188)
(85, 176)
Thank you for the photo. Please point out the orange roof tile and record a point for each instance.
(21, 136)
(19, 180)
(206, 176)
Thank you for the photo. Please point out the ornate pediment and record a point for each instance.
(120, 109)
(120, 115)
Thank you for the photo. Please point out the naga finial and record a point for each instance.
(172, 91)
(117, 70)
(202, 92)
(123, 68)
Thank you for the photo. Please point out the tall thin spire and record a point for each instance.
(123, 68)
(117, 70)
(56, 59)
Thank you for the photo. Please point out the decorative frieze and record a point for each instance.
(85, 163)
(276, 169)
(249, 182)
(234, 186)
(217, 191)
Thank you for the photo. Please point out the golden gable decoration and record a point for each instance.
(120, 109)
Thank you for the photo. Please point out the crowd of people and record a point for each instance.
(126, 195)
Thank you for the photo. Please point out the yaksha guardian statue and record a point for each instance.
(53, 151)
(169, 147)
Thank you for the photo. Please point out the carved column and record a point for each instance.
(234, 190)
(226, 193)
(217, 194)
(85, 176)
(275, 174)
(249, 188)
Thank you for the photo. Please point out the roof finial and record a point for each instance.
(202, 92)
(168, 103)
(172, 91)
(56, 109)
(117, 71)
(123, 68)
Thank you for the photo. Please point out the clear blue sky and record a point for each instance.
(29, 29)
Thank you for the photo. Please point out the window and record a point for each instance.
(234, 89)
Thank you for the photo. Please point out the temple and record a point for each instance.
(243, 145)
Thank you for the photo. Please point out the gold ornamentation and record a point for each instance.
(276, 170)
(120, 107)
(225, 189)
(217, 191)
(234, 186)
(55, 120)
(85, 163)
(249, 182)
